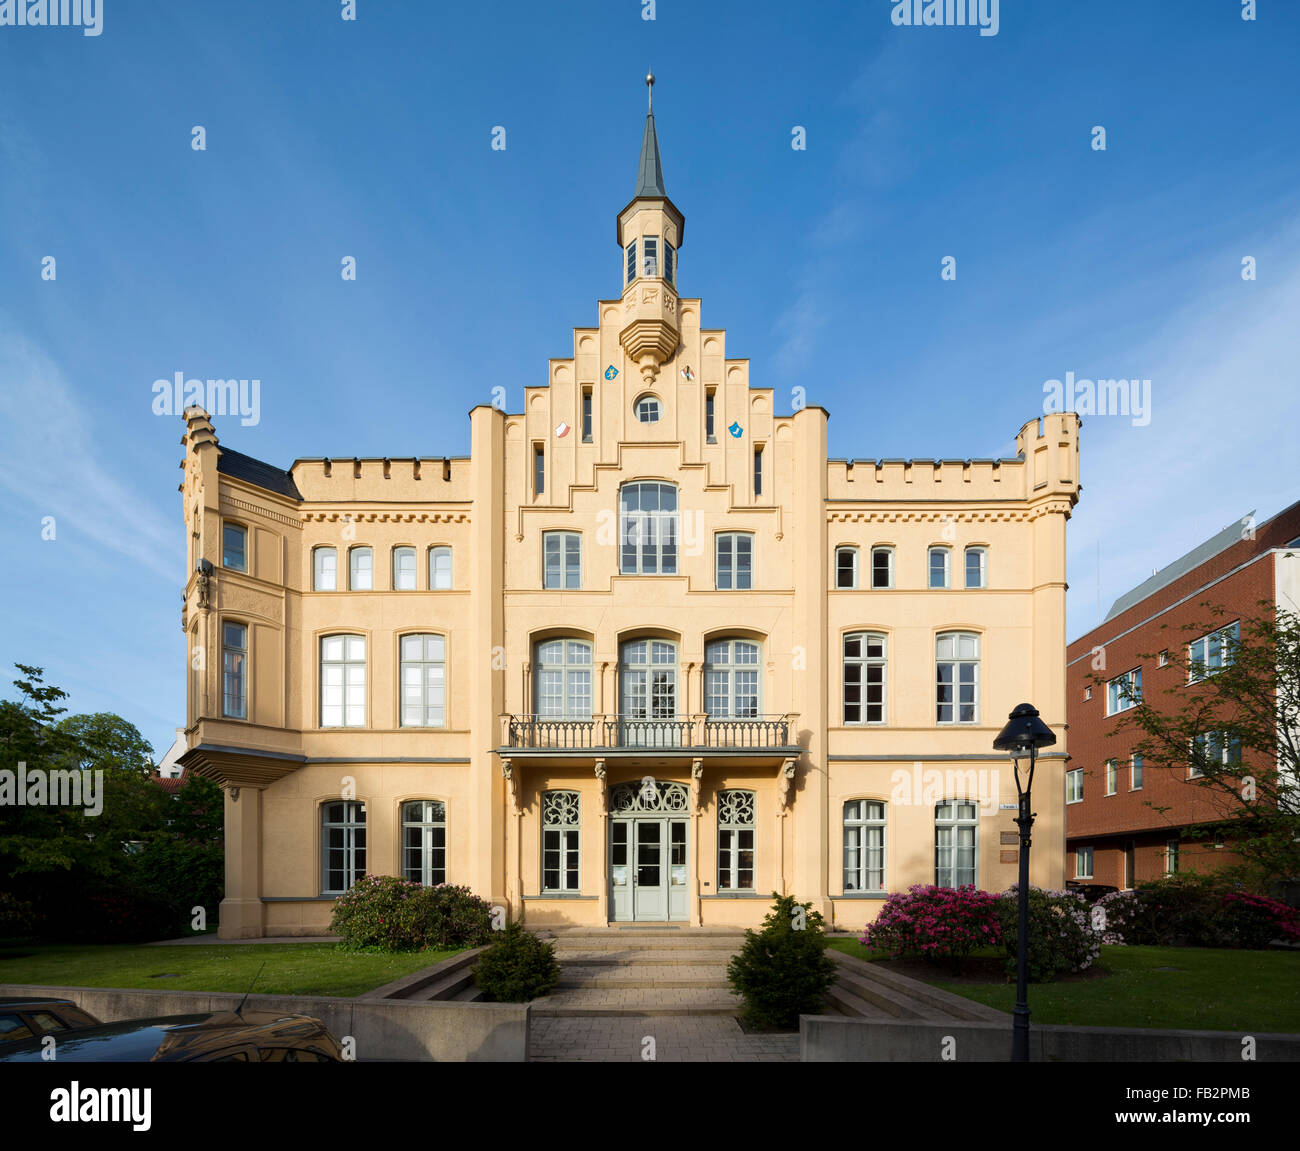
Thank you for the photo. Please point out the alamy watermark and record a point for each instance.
(88, 15)
(1099, 398)
(36, 787)
(981, 14)
(241, 398)
(930, 786)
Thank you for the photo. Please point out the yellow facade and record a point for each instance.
(730, 700)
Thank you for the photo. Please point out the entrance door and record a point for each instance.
(648, 870)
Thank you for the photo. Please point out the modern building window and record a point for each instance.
(977, 564)
(846, 567)
(958, 682)
(361, 576)
(709, 435)
(940, 567)
(325, 564)
(561, 560)
(647, 409)
(734, 561)
(586, 415)
(1213, 750)
(560, 846)
(1074, 785)
(864, 845)
(882, 567)
(649, 255)
(563, 679)
(1171, 857)
(648, 529)
(1213, 652)
(343, 681)
(1083, 863)
(234, 547)
(343, 846)
(954, 843)
(1135, 774)
(649, 692)
(424, 681)
(1124, 691)
(424, 842)
(234, 670)
(440, 569)
(670, 263)
(758, 471)
(539, 469)
(403, 569)
(1112, 776)
(1162, 660)
(731, 679)
(735, 841)
(631, 261)
(1087, 694)
(864, 677)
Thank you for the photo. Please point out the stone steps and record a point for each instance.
(866, 990)
(638, 1002)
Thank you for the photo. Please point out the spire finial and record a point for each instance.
(650, 93)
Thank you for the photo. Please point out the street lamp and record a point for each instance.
(1023, 735)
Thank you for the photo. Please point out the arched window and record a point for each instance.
(325, 565)
(361, 564)
(864, 845)
(648, 710)
(977, 567)
(955, 826)
(560, 831)
(343, 845)
(343, 681)
(424, 841)
(563, 679)
(561, 560)
(439, 569)
(234, 547)
(957, 665)
(731, 679)
(735, 841)
(846, 567)
(865, 667)
(940, 567)
(648, 529)
(882, 567)
(424, 681)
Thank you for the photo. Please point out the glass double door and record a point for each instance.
(648, 869)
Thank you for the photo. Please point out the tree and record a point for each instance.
(1234, 720)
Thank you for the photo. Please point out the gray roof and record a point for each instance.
(1180, 567)
(650, 174)
(242, 467)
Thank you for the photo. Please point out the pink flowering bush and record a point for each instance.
(1196, 911)
(1064, 935)
(1254, 921)
(935, 923)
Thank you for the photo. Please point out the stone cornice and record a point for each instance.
(230, 503)
(382, 517)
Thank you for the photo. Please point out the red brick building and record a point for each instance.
(1114, 833)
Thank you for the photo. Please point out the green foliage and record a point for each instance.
(385, 913)
(517, 968)
(18, 918)
(783, 970)
(1194, 910)
(1062, 936)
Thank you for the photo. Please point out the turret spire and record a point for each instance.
(650, 172)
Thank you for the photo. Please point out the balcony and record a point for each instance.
(607, 733)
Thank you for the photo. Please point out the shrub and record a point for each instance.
(454, 917)
(935, 923)
(18, 918)
(783, 971)
(1196, 911)
(385, 913)
(517, 968)
(1062, 936)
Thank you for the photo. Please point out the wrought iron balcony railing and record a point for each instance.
(613, 733)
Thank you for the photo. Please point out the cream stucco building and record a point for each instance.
(645, 653)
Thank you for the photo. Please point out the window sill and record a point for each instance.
(862, 895)
(560, 895)
(735, 895)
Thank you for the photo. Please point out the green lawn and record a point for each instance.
(291, 968)
(1209, 989)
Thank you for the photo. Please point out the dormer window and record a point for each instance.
(649, 255)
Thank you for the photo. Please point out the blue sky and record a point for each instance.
(372, 139)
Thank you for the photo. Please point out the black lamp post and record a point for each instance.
(1023, 735)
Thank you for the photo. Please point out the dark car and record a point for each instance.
(31, 1017)
(1090, 891)
(226, 1037)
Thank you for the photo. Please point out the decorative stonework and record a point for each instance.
(629, 798)
(251, 601)
(447, 517)
(786, 778)
(230, 504)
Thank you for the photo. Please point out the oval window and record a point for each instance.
(647, 409)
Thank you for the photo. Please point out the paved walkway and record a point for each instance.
(667, 1038)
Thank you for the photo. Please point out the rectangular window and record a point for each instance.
(955, 824)
(940, 559)
(864, 846)
(343, 845)
(561, 560)
(1213, 750)
(846, 567)
(440, 569)
(958, 677)
(586, 415)
(976, 567)
(560, 854)
(234, 670)
(1171, 857)
(1212, 652)
(649, 526)
(362, 574)
(424, 681)
(631, 261)
(1083, 863)
(403, 569)
(670, 263)
(758, 471)
(326, 569)
(539, 469)
(1074, 785)
(1124, 691)
(708, 418)
(343, 681)
(864, 678)
(234, 541)
(734, 561)
(649, 255)
(882, 567)
(1135, 774)
(1112, 776)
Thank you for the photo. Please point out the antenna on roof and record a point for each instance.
(247, 993)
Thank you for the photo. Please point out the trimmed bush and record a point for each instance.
(935, 923)
(1196, 911)
(783, 971)
(517, 968)
(1062, 935)
(385, 913)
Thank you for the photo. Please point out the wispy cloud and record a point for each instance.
(51, 461)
